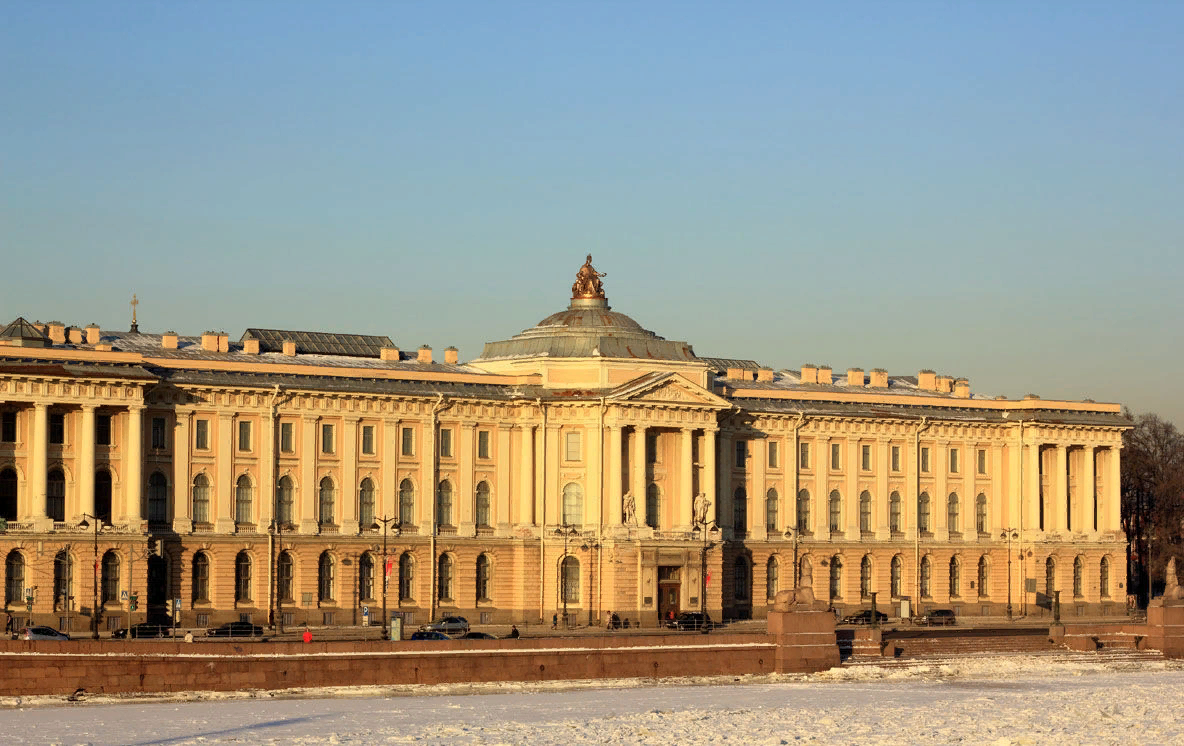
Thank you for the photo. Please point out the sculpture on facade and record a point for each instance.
(587, 284)
(628, 509)
(701, 507)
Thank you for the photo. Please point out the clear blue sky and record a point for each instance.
(991, 190)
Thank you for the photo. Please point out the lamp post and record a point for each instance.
(792, 533)
(1010, 534)
(567, 531)
(702, 526)
(398, 526)
(277, 529)
(94, 603)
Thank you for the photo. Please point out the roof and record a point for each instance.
(319, 343)
(20, 333)
(913, 411)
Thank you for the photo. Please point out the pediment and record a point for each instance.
(668, 389)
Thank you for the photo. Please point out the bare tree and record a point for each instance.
(1152, 500)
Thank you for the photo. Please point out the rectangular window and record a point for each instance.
(982, 461)
(286, 433)
(158, 433)
(651, 448)
(773, 454)
(836, 453)
(741, 452)
(572, 450)
(895, 458)
(483, 444)
(103, 429)
(57, 428)
(925, 459)
(408, 448)
(8, 427)
(803, 455)
(865, 457)
(953, 460)
(445, 443)
(368, 440)
(201, 435)
(244, 436)
(327, 445)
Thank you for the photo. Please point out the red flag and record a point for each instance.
(708, 581)
(389, 565)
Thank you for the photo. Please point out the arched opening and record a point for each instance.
(1050, 578)
(980, 514)
(484, 578)
(366, 577)
(366, 503)
(923, 523)
(406, 577)
(444, 578)
(895, 522)
(772, 578)
(326, 503)
(742, 585)
(242, 578)
(865, 577)
(14, 578)
(803, 511)
(653, 506)
(896, 573)
(865, 512)
(110, 578)
(285, 576)
(926, 577)
(284, 498)
(573, 504)
(63, 581)
(953, 513)
(482, 509)
(1078, 576)
(201, 499)
(955, 578)
(158, 584)
(326, 577)
(444, 505)
(569, 580)
(836, 578)
(201, 578)
(244, 501)
(771, 509)
(984, 577)
(406, 503)
(836, 512)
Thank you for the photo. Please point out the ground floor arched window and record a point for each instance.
(14, 578)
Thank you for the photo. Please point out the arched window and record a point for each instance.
(55, 495)
(1078, 576)
(895, 525)
(953, 509)
(836, 511)
(653, 506)
(955, 578)
(285, 572)
(771, 511)
(926, 577)
(803, 511)
(1104, 577)
(984, 577)
(896, 570)
(366, 504)
(484, 578)
(103, 495)
(201, 499)
(201, 578)
(63, 580)
(740, 512)
(1050, 577)
(444, 504)
(865, 577)
(110, 578)
(406, 503)
(14, 578)
(326, 570)
(406, 577)
(742, 581)
(923, 513)
(865, 511)
(8, 506)
(158, 498)
(325, 510)
(980, 513)
(573, 504)
(836, 577)
(283, 500)
(772, 577)
(242, 578)
(244, 501)
(366, 576)
(481, 509)
(444, 572)
(569, 580)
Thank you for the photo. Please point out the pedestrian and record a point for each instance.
(307, 635)
(8, 624)
(514, 634)
(554, 621)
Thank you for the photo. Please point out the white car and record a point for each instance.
(41, 633)
(449, 625)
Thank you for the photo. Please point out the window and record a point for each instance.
(984, 575)
(244, 501)
(287, 444)
(406, 502)
(408, 446)
(7, 427)
(982, 461)
(803, 511)
(865, 457)
(836, 453)
(741, 452)
(651, 448)
(482, 511)
(285, 573)
(803, 455)
(158, 498)
(865, 512)
(954, 461)
(740, 512)
(771, 511)
(102, 429)
(1078, 577)
(953, 510)
(980, 513)
(773, 460)
(569, 580)
(158, 433)
(573, 504)
(327, 444)
(201, 435)
(955, 578)
(244, 435)
(366, 504)
(653, 506)
(325, 576)
(895, 572)
(57, 430)
(14, 578)
(572, 449)
(366, 577)
(483, 449)
(368, 440)
(242, 578)
(55, 495)
(325, 503)
(772, 579)
(110, 578)
(1050, 577)
(283, 500)
(836, 577)
(8, 494)
(201, 499)
(102, 494)
(444, 504)
(201, 578)
(444, 573)
(894, 519)
(406, 577)
(742, 581)
(836, 511)
(484, 578)
(63, 580)
(923, 513)
(865, 577)
(925, 459)
(926, 577)
(1104, 577)
(895, 458)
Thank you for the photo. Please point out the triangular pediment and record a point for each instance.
(668, 389)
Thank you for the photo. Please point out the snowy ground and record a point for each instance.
(1065, 699)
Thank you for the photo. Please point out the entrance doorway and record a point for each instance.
(669, 592)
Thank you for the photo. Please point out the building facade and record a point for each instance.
(582, 467)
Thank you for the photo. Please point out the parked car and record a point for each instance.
(864, 617)
(145, 629)
(478, 636)
(429, 634)
(937, 617)
(692, 620)
(236, 629)
(449, 625)
(41, 633)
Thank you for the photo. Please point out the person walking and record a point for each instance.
(514, 634)
(307, 635)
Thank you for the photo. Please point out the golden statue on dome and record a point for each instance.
(587, 284)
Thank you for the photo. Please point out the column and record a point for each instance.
(1060, 486)
(613, 465)
(851, 467)
(684, 505)
(388, 500)
(883, 464)
(756, 515)
(941, 486)
(133, 461)
(524, 507)
(912, 493)
(707, 455)
(1086, 485)
(552, 495)
(501, 491)
(40, 462)
(637, 467)
(594, 504)
(304, 501)
(265, 494)
(86, 464)
(1112, 494)
(182, 520)
(349, 475)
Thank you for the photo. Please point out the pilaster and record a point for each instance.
(133, 463)
(85, 502)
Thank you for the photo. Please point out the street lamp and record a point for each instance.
(94, 603)
(792, 533)
(1010, 534)
(567, 531)
(398, 526)
(703, 526)
(276, 527)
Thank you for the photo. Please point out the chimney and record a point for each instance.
(927, 380)
(809, 373)
(945, 384)
(824, 375)
(962, 388)
(855, 376)
(390, 353)
(39, 326)
(74, 334)
(290, 348)
(1028, 397)
(57, 332)
(209, 341)
(223, 342)
(168, 341)
(251, 346)
(105, 347)
(764, 374)
(735, 374)
(425, 354)
(93, 333)
(879, 378)
(451, 355)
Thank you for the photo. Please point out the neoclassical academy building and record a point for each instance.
(584, 466)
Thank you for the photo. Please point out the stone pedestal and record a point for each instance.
(805, 640)
(1165, 629)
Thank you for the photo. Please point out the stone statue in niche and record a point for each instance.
(587, 284)
(701, 507)
(628, 509)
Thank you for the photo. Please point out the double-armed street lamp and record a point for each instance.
(276, 527)
(1010, 534)
(398, 527)
(703, 527)
(99, 524)
(567, 531)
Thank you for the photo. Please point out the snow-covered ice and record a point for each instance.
(998, 700)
